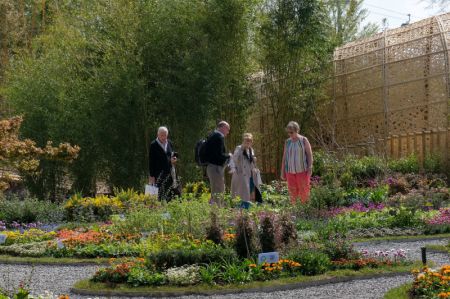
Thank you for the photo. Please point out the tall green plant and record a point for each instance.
(346, 17)
(295, 53)
(106, 74)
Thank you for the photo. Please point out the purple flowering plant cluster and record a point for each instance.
(396, 255)
(442, 218)
(356, 207)
(19, 226)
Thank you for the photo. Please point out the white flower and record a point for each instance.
(185, 275)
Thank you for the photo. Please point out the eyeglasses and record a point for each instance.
(290, 132)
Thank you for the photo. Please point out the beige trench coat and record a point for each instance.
(243, 170)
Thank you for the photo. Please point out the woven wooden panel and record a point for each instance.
(395, 82)
(390, 95)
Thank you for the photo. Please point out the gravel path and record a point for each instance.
(59, 279)
(56, 279)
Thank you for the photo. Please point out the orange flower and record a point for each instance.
(229, 237)
(252, 266)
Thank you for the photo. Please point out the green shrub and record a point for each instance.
(288, 231)
(180, 217)
(312, 262)
(235, 273)
(364, 167)
(142, 277)
(210, 273)
(338, 246)
(433, 164)
(408, 164)
(89, 209)
(132, 199)
(197, 189)
(214, 233)
(326, 197)
(348, 182)
(175, 258)
(30, 210)
(244, 244)
(267, 233)
(404, 217)
(325, 163)
(366, 195)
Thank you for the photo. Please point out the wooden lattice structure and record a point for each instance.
(389, 95)
(393, 86)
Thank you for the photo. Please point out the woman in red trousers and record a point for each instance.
(296, 166)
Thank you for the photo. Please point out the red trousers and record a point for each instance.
(298, 186)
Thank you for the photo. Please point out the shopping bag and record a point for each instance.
(151, 190)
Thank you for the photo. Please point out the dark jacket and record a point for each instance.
(215, 150)
(159, 161)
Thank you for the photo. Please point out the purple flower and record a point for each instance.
(315, 180)
(442, 218)
(372, 183)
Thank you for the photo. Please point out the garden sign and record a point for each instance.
(268, 257)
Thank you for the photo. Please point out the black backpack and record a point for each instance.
(200, 153)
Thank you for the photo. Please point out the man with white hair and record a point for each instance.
(216, 156)
(162, 159)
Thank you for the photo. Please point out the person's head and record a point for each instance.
(163, 133)
(223, 127)
(247, 140)
(292, 128)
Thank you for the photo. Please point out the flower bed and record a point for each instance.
(431, 283)
(439, 223)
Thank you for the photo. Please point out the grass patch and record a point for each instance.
(401, 292)
(439, 248)
(8, 259)
(402, 238)
(87, 287)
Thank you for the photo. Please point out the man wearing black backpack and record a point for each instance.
(214, 154)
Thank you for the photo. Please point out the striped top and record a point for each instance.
(295, 157)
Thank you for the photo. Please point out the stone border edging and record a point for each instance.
(268, 289)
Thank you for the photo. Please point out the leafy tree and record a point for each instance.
(295, 54)
(106, 74)
(20, 22)
(346, 17)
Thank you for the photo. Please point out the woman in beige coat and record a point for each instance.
(245, 179)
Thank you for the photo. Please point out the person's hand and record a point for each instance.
(310, 171)
(151, 180)
(232, 170)
(283, 176)
(173, 160)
